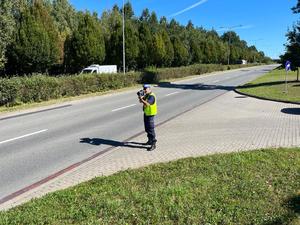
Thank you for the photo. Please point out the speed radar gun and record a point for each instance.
(140, 93)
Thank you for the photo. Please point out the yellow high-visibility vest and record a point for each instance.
(151, 110)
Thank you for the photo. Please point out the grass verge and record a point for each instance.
(255, 187)
(272, 86)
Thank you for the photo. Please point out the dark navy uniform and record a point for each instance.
(149, 122)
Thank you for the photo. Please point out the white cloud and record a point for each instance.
(188, 8)
(235, 27)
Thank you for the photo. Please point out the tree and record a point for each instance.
(86, 45)
(145, 42)
(145, 15)
(113, 37)
(153, 22)
(158, 49)
(64, 16)
(181, 54)
(163, 22)
(36, 44)
(296, 9)
(169, 56)
(131, 44)
(293, 46)
(190, 25)
(128, 10)
(7, 27)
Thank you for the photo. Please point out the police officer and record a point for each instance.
(150, 110)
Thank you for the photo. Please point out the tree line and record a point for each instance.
(50, 36)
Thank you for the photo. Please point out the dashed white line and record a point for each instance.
(173, 93)
(125, 107)
(23, 136)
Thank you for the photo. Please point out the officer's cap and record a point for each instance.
(146, 86)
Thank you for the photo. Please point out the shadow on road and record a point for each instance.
(198, 86)
(100, 141)
(293, 111)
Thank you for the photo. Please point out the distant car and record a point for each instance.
(99, 69)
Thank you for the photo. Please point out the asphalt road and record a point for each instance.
(37, 144)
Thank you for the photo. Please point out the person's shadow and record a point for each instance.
(293, 205)
(293, 111)
(100, 141)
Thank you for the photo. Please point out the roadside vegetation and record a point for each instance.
(255, 187)
(52, 37)
(273, 86)
(18, 91)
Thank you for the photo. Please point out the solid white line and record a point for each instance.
(123, 108)
(26, 135)
(173, 93)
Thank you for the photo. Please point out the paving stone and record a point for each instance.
(228, 123)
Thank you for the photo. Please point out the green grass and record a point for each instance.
(255, 187)
(272, 86)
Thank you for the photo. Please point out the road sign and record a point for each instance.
(287, 65)
(287, 68)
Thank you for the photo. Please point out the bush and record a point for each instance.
(39, 87)
(9, 91)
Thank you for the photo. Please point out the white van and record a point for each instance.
(100, 69)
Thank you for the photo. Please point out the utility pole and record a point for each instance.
(228, 48)
(229, 37)
(124, 39)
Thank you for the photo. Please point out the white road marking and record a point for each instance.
(173, 93)
(216, 81)
(114, 110)
(23, 136)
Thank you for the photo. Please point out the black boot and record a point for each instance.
(148, 143)
(153, 146)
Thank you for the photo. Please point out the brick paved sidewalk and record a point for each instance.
(228, 123)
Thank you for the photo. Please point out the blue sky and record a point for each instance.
(263, 23)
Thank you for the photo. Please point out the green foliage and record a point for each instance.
(255, 187)
(86, 45)
(158, 50)
(293, 45)
(36, 44)
(145, 58)
(181, 54)
(293, 48)
(9, 91)
(50, 36)
(169, 56)
(114, 38)
(64, 16)
(131, 45)
(7, 27)
(37, 88)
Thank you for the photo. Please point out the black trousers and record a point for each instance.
(149, 128)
